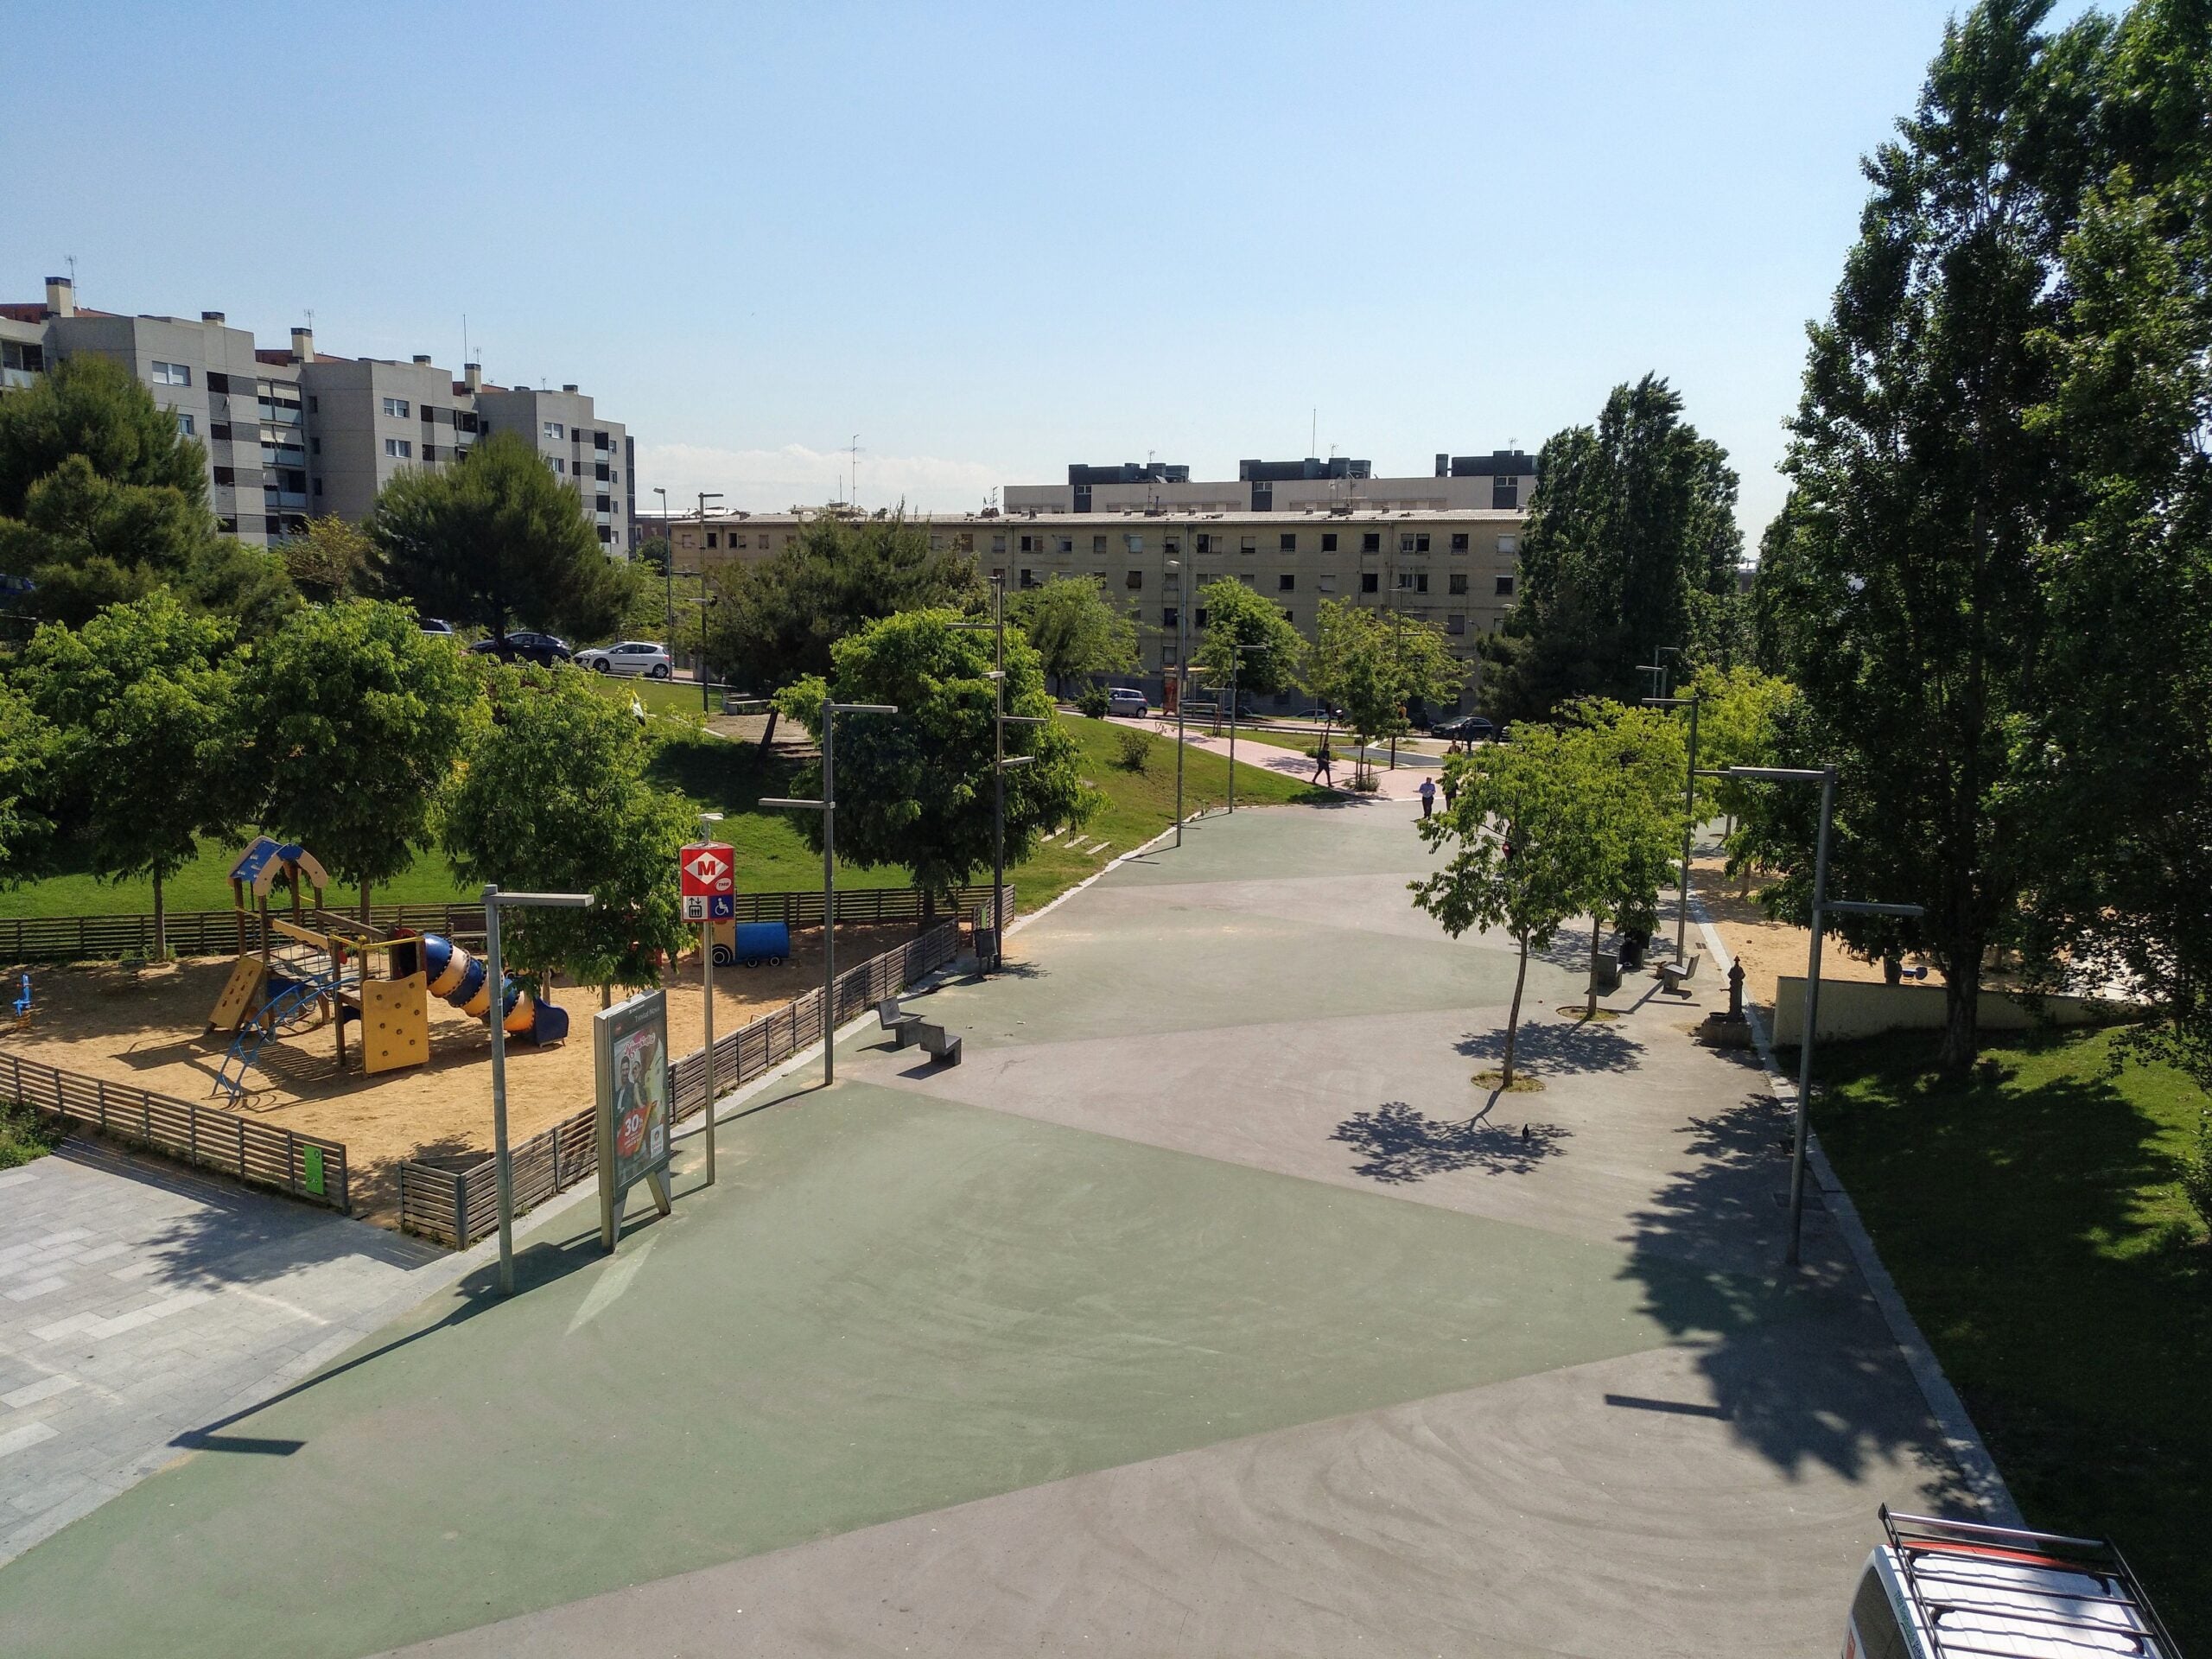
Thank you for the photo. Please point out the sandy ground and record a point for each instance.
(1769, 949)
(151, 1030)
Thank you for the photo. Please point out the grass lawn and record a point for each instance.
(2035, 1225)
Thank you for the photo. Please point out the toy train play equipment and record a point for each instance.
(752, 943)
(313, 970)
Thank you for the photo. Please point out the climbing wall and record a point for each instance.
(395, 1023)
(241, 994)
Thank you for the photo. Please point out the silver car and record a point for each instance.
(628, 657)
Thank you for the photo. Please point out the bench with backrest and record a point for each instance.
(940, 1044)
(898, 1023)
(1674, 975)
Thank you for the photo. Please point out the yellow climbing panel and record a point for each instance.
(241, 994)
(395, 1023)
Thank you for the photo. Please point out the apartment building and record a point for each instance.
(1501, 481)
(293, 432)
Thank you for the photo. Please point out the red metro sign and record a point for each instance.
(707, 871)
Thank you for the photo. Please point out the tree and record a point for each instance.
(94, 407)
(1372, 665)
(1519, 851)
(28, 748)
(353, 720)
(1627, 764)
(1247, 640)
(1075, 629)
(140, 700)
(1921, 493)
(653, 553)
(1737, 709)
(554, 797)
(329, 560)
(915, 789)
(1631, 545)
(495, 539)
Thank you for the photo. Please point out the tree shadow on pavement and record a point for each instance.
(1400, 1145)
(1558, 1048)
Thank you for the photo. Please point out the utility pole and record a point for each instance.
(668, 565)
(705, 496)
(999, 762)
(1689, 815)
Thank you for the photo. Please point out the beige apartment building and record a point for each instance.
(1455, 567)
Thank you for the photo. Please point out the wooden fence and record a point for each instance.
(215, 932)
(306, 1166)
(458, 1207)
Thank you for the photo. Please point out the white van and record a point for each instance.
(1952, 1590)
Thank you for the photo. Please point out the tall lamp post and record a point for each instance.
(668, 564)
(1823, 906)
(494, 902)
(1182, 682)
(1689, 813)
(827, 806)
(705, 496)
(999, 762)
(1236, 663)
(706, 823)
(703, 602)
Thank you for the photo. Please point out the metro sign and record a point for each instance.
(707, 871)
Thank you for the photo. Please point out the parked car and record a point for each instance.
(1126, 700)
(523, 646)
(1468, 729)
(436, 624)
(628, 657)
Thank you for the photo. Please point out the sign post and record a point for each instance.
(707, 873)
(630, 1046)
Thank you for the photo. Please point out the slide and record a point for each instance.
(459, 978)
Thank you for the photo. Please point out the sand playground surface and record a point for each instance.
(1769, 949)
(149, 1030)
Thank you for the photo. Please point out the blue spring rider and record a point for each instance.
(23, 1005)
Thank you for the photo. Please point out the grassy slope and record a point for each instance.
(731, 778)
(2035, 1225)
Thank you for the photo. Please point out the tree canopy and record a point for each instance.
(1248, 639)
(496, 540)
(95, 408)
(1372, 665)
(1075, 629)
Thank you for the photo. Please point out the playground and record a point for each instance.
(184, 1029)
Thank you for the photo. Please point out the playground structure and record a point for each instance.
(311, 970)
(751, 943)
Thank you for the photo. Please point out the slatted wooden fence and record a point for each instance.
(458, 1207)
(306, 1166)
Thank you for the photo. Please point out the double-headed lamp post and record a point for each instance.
(1689, 814)
(494, 902)
(1001, 761)
(1823, 906)
(827, 806)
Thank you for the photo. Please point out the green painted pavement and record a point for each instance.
(890, 1305)
(1281, 842)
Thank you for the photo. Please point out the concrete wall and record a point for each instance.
(1852, 1008)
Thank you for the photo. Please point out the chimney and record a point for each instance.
(61, 297)
(1444, 466)
(569, 387)
(472, 374)
(422, 358)
(304, 345)
(211, 316)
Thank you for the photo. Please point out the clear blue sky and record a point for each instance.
(988, 240)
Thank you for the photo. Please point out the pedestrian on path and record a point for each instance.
(1427, 795)
(1322, 764)
(1451, 790)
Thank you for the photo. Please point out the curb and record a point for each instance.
(1977, 1469)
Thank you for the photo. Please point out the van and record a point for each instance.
(1124, 700)
(1953, 1590)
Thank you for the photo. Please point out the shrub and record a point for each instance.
(1093, 703)
(2196, 1170)
(24, 1134)
(1134, 749)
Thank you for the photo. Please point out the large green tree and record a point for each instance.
(496, 540)
(1372, 665)
(351, 720)
(1075, 629)
(1628, 765)
(915, 788)
(553, 797)
(1631, 545)
(94, 407)
(142, 703)
(1247, 639)
(1921, 491)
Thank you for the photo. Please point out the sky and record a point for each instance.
(984, 242)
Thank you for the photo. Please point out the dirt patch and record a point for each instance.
(1771, 949)
(149, 1030)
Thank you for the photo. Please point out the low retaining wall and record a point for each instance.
(458, 1207)
(1858, 1007)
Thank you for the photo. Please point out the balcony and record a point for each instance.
(276, 500)
(16, 379)
(279, 414)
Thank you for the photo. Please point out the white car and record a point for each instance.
(1127, 701)
(628, 657)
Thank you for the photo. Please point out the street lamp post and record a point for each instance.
(494, 902)
(703, 601)
(827, 806)
(1182, 682)
(1689, 813)
(1823, 906)
(707, 822)
(705, 496)
(668, 564)
(999, 762)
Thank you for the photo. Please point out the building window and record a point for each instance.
(1171, 546)
(554, 429)
(1328, 583)
(1459, 581)
(1328, 541)
(1249, 544)
(714, 539)
(228, 526)
(557, 465)
(1027, 548)
(398, 448)
(1098, 544)
(314, 445)
(998, 542)
(1286, 583)
(1027, 579)
(1064, 544)
(398, 408)
(220, 432)
(599, 503)
(273, 526)
(1289, 542)
(318, 486)
(172, 374)
(429, 453)
(1505, 586)
(1370, 581)
(1405, 542)
(1420, 543)
(1371, 542)
(1456, 622)
(1248, 578)
(1133, 580)
(1199, 617)
(226, 477)
(1508, 546)
(1459, 541)
(218, 383)
(1136, 543)
(1170, 616)
(315, 405)
(184, 427)
(1205, 543)
(1504, 494)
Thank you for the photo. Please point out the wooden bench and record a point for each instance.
(1674, 975)
(937, 1042)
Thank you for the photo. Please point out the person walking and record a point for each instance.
(1427, 795)
(1451, 790)
(1323, 766)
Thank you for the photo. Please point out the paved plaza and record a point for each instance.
(1207, 1308)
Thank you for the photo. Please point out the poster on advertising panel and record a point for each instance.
(636, 1104)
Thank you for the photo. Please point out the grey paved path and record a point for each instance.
(139, 1301)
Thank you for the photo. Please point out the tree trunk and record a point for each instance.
(1892, 968)
(607, 996)
(768, 737)
(1962, 1008)
(161, 920)
(1513, 1015)
(928, 908)
(364, 901)
(1597, 929)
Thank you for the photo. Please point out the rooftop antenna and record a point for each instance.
(71, 259)
(465, 359)
(854, 496)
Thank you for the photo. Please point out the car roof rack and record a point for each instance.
(1989, 1617)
